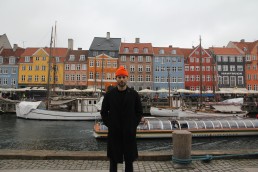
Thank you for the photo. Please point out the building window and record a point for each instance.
(225, 80)
(112, 54)
(161, 51)
(67, 77)
(95, 53)
(232, 68)
(140, 68)
(240, 80)
(140, 58)
(36, 67)
(57, 59)
(173, 52)
(218, 58)
(239, 59)
(186, 68)
(13, 81)
(132, 58)
(78, 77)
(123, 58)
(148, 78)
(225, 59)
(239, 68)
(43, 67)
(30, 67)
(254, 67)
(114, 64)
(67, 66)
(191, 59)
(71, 58)
(208, 60)
(82, 57)
(13, 70)
(72, 66)
(148, 68)
(84, 67)
(36, 78)
(43, 78)
(132, 78)
(179, 69)
(220, 80)
(145, 50)
(135, 50)
(126, 50)
(1, 60)
(249, 87)
(84, 77)
(148, 58)
(78, 67)
(5, 81)
(225, 67)
(12, 60)
(197, 78)
(192, 78)
(249, 77)
(23, 78)
(27, 58)
(191, 68)
(91, 75)
(208, 68)
(132, 69)
(72, 77)
(29, 78)
(23, 67)
(232, 59)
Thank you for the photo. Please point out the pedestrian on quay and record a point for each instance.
(121, 112)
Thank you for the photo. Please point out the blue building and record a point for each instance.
(168, 68)
(9, 67)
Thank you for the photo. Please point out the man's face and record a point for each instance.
(121, 80)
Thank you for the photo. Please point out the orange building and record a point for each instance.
(101, 71)
(250, 51)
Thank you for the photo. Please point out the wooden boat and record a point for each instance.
(163, 128)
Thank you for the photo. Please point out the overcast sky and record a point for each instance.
(160, 22)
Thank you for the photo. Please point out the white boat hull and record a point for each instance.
(59, 115)
(163, 112)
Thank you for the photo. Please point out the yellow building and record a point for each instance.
(34, 66)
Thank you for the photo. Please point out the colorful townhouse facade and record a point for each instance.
(75, 69)
(230, 67)
(199, 64)
(9, 67)
(101, 71)
(168, 68)
(137, 58)
(103, 62)
(34, 66)
(250, 51)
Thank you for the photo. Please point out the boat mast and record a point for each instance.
(168, 69)
(201, 72)
(49, 68)
(213, 74)
(54, 65)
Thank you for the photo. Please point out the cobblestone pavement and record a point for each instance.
(233, 165)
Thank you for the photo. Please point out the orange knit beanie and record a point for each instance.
(121, 71)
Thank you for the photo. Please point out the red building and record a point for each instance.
(195, 69)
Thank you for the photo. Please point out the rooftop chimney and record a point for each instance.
(108, 35)
(242, 40)
(15, 46)
(170, 46)
(70, 44)
(137, 40)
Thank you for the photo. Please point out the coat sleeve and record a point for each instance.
(105, 110)
(138, 109)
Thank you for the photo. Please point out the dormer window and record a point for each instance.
(82, 57)
(95, 53)
(161, 51)
(57, 59)
(12, 60)
(27, 58)
(112, 54)
(135, 50)
(145, 50)
(126, 50)
(173, 52)
(71, 58)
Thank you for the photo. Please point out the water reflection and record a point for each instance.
(77, 136)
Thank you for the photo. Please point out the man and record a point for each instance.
(121, 112)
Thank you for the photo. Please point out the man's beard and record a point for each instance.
(122, 84)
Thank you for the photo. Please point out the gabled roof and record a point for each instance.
(10, 52)
(100, 43)
(224, 51)
(186, 51)
(57, 52)
(246, 46)
(77, 54)
(167, 51)
(29, 52)
(131, 47)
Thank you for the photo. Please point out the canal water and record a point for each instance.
(21, 134)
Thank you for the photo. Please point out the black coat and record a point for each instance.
(122, 119)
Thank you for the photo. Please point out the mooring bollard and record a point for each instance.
(182, 145)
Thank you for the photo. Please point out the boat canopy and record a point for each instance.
(164, 124)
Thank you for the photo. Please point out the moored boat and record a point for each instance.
(163, 128)
(83, 109)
